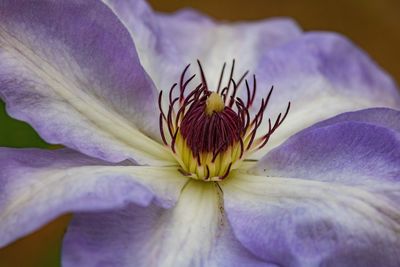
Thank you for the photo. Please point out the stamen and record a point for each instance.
(171, 91)
(250, 94)
(231, 75)
(183, 84)
(220, 77)
(212, 132)
(203, 77)
(174, 140)
(162, 130)
(227, 172)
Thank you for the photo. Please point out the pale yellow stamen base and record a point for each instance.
(208, 169)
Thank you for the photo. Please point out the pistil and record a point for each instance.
(214, 103)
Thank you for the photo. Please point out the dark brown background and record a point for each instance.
(372, 24)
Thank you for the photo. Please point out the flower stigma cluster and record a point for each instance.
(210, 132)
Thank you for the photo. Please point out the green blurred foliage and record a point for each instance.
(15, 133)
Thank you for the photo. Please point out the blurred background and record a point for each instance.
(372, 24)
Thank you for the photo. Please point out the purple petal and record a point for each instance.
(296, 222)
(323, 62)
(322, 74)
(352, 148)
(229, 252)
(327, 197)
(36, 186)
(190, 234)
(166, 43)
(70, 69)
(382, 117)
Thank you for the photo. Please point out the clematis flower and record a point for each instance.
(213, 171)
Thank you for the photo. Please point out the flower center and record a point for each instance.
(210, 133)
